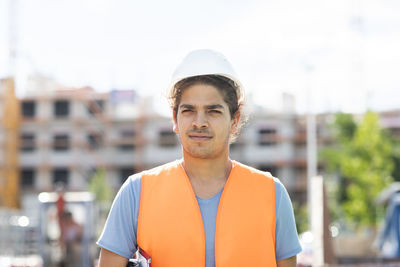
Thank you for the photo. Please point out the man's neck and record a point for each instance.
(207, 176)
(207, 169)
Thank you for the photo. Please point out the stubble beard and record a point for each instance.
(206, 151)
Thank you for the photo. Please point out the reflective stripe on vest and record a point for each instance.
(170, 226)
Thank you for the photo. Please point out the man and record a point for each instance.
(206, 209)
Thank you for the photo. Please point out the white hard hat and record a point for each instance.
(204, 62)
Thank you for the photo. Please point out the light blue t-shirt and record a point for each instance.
(119, 233)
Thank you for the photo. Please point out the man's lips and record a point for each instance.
(199, 137)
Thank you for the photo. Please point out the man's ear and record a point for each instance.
(175, 123)
(235, 122)
(175, 128)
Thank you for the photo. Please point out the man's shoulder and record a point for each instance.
(251, 170)
(262, 174)
(158, 169)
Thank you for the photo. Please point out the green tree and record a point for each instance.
(301, 214)
(100, 188)
(396, 157)
(364, 162)
(343, 128)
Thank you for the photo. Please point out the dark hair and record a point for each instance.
(230, 91)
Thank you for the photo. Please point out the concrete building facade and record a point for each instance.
(68, 134)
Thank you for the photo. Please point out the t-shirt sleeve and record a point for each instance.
(119, 233)
(287, 241)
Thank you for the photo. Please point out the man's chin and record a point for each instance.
(203, 154)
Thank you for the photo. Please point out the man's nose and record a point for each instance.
(200, 120)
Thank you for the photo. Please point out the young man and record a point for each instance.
(205, 209)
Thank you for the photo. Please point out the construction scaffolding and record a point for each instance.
(9, 166)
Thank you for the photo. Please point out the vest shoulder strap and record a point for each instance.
(170, 227)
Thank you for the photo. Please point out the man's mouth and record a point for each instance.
(200, 137)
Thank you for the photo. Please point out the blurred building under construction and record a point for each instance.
(65, 134)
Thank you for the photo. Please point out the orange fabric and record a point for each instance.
(246, 220)
(170, 227)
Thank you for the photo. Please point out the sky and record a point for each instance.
(340, 55)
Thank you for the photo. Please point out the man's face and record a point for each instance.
(203, 122)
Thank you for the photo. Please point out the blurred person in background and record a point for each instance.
(71, 239)
(204, 209)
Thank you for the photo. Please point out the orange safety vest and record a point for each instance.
(170, 227)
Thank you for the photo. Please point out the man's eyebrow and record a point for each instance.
(186, 106)
(216, 106)
(213, 106)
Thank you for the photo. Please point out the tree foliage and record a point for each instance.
(99, 187)
(301, 214)
(396, 158)
(364, 160)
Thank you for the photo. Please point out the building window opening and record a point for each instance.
(61, 108)
(167, 138)
(27, 142)
(27, 179)
(127, 141)
(28, 109)
(267, 136)
(61, 142)
(61, 176)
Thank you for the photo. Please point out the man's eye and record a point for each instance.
(186, 110)
(216, 111)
